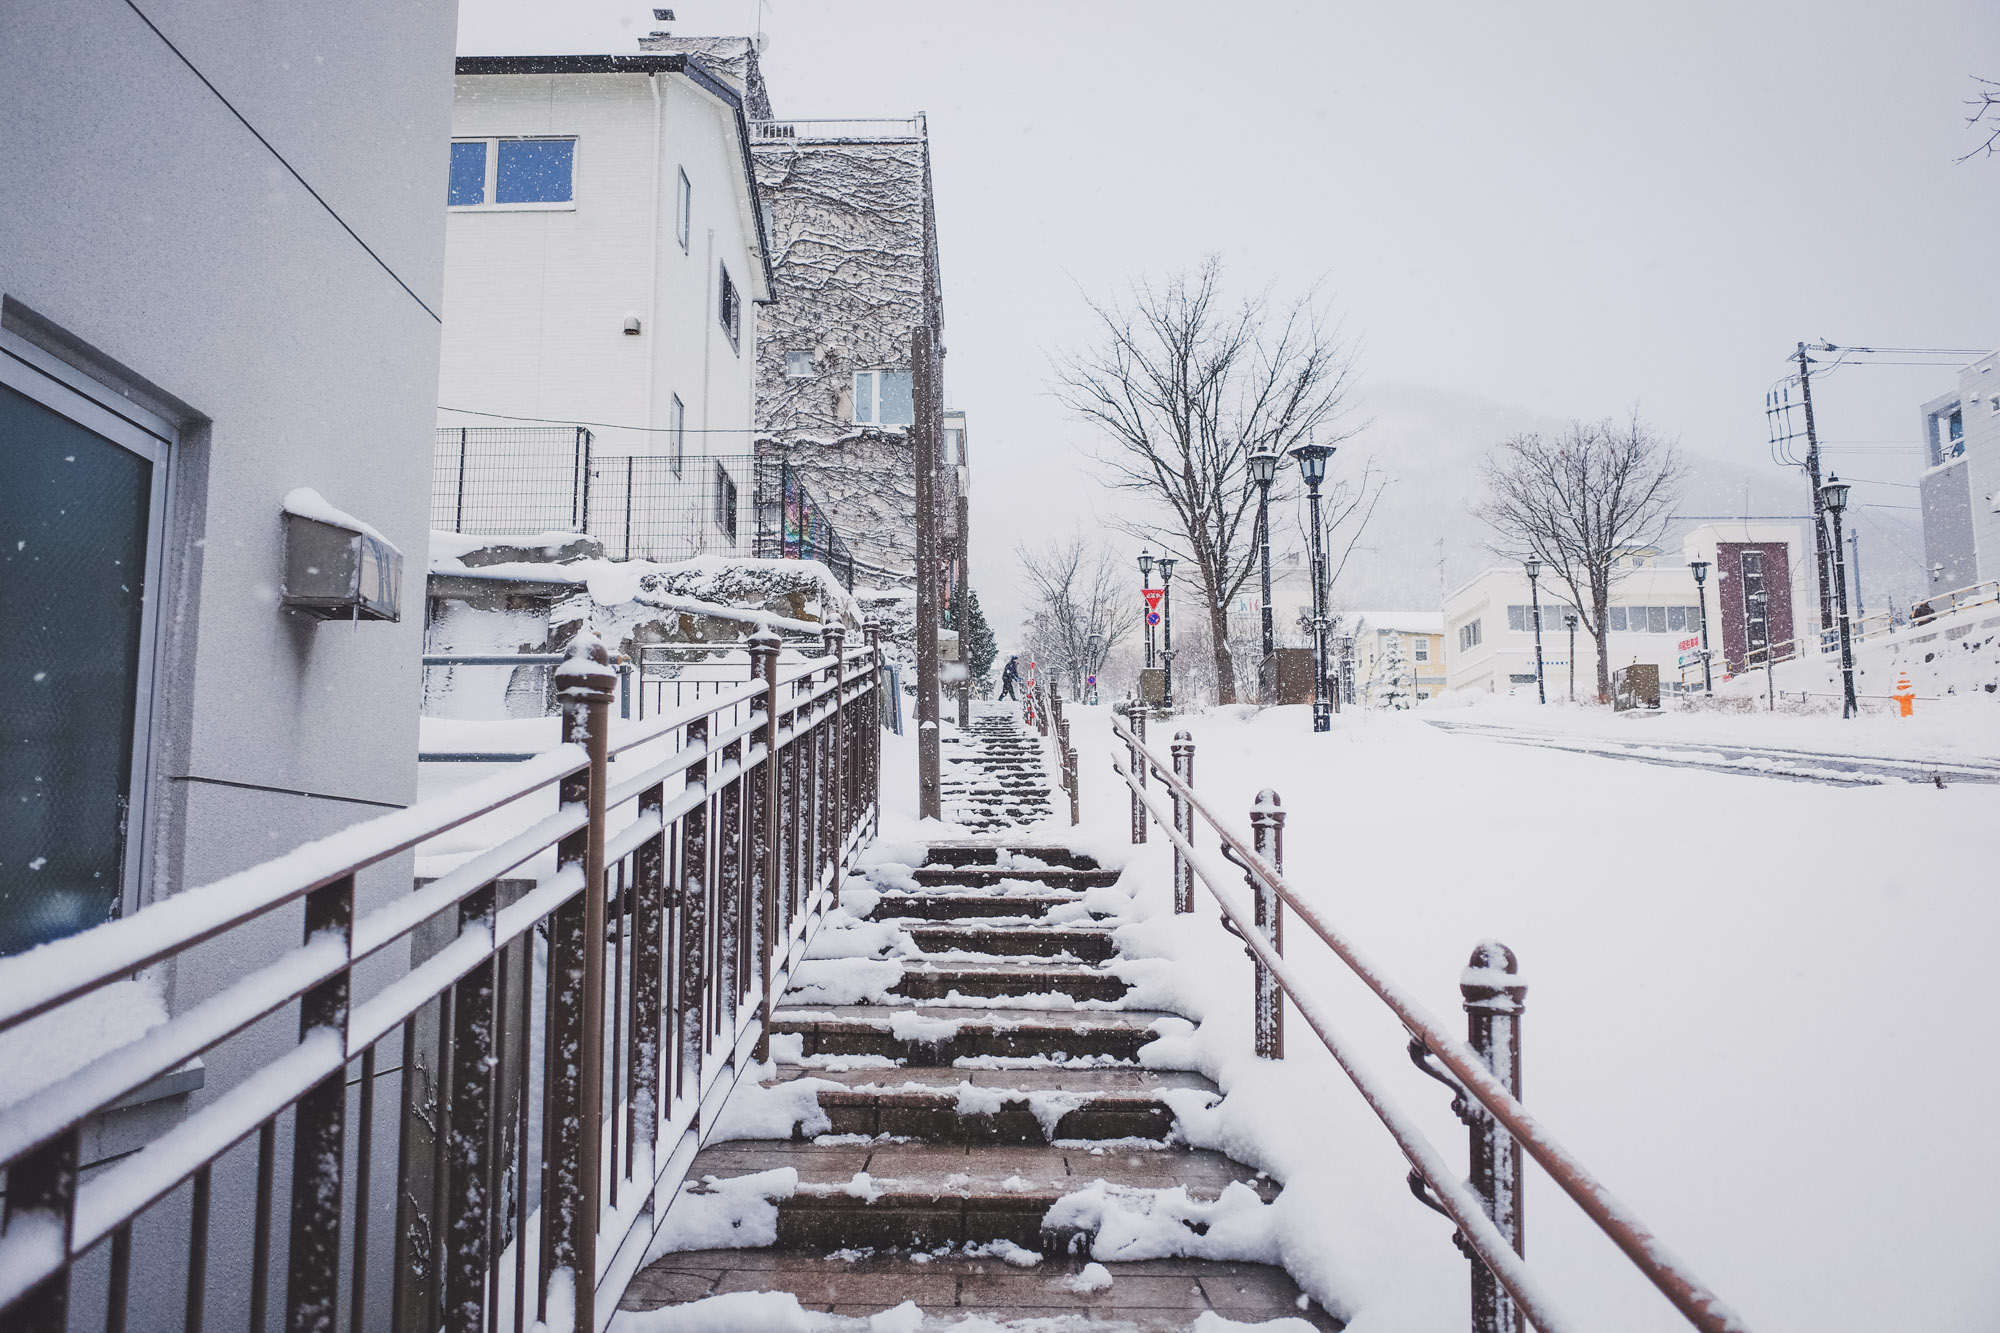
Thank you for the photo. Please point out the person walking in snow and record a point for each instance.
(1009, 676)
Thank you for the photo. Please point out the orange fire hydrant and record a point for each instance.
(1906, 698)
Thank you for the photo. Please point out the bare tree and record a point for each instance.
(1079, 590)
(1183, 383)
(1985, 115)
(1579, 502)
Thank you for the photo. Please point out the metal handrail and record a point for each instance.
(1688, 1294)
(749, 826)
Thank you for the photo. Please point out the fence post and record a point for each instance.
(319, 1133)
(1068, 756)
(1183, 822)
(1494, 1001)
(764, 830)
(873, 777)
(44, 1182)
(1267, 827)
(1139, 767)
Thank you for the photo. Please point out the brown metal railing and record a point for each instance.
(1261, 934)
(578, 1001)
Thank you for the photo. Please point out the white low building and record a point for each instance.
(1655, 615)
(604, 258)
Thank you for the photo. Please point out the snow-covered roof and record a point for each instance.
(1408, 622)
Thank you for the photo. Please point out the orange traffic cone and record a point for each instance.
(1906, 698)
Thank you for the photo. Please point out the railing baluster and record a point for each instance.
(44, 1181)
(1183, 822)
(523, 1091)
(195, 1310)
(729, 886)
(118, 1293)
(694, 904)
(319, 1132)
(649, 896)
(1138, 770)
(764, 858)
(260, 1234)
(467, 1135)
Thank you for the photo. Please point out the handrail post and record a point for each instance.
(586, 686)
(319, 1129)
(1267, 826)
(764, 835)
(1183, 823)
(1493, 1005)
(1068, 756)
(1137, 718)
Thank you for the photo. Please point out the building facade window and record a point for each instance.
(513, 173)
(799, 365)
(684, 210)
(82, 514)
(677, 417)
(730, 309)
(883, 398)
(725, 502)
(1423, 650)
(1468, 635)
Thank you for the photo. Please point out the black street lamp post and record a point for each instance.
(1834, 496)
(1167, 631)
(1534, 568)
(1700, 568)
(1093, 662)
(1312, 466)
(1146, 582)
(1570, 620)
(1263, 471)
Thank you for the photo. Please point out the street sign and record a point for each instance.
(1152, 617)
(1090, 680)
(1153, 596)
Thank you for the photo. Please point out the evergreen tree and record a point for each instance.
(1392, 673)
(976, 638)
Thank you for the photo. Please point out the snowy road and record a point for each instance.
(1790, 763)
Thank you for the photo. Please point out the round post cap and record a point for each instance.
(586, 673)
(1489, 981)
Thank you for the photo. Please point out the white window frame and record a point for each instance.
(492, 185)
(64, 389)
(875, 396)
(684, 210)
(810, 371)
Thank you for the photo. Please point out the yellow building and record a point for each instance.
(1384, 638)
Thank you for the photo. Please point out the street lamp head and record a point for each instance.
(1534, 568)
(1834, 494)
(1312, 462)
(1145, 561)
(1263, 464)
(1570, 622)
(1167, 563)
(1700, 568)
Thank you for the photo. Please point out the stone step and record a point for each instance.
(940, 1036)
(925, 1195)
(989, 854)
(1083, 943)
(1026, 1106)
(960, 906)
(1150, 1296)
(1065, 877)
(935, 981)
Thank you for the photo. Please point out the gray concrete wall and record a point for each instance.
(147, 236)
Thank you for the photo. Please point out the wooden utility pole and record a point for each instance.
(924, 442)
(965, 586)
(1823, 564)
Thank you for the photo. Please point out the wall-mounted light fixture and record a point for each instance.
(632, 326)
(336, 566)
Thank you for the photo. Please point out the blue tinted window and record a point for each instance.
(468, 174)
(534, 171)
(896, 407)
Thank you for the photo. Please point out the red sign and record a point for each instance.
(1153, 596)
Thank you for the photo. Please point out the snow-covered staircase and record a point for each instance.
(957, 1115)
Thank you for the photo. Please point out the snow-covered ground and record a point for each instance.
(1755, 1009)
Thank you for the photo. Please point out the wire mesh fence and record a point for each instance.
(522, 481)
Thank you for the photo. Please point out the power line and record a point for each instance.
(268, 147)
(606, 425)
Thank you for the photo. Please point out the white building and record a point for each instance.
(1961, 481)
(1419, 635)
(1655, 614)
(604, 261)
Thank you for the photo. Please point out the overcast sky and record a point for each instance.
(1567, 208)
